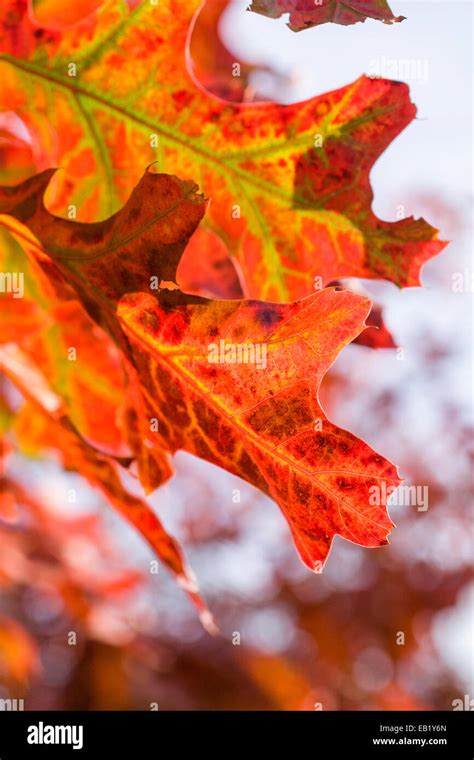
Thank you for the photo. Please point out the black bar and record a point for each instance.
(155, 734)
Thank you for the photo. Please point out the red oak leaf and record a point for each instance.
(234, 382)
(308, 13)
(290, 190)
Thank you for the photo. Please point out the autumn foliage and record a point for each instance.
(184, 270)
(306, 214)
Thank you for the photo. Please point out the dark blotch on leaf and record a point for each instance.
(268, 317)
(344, 484)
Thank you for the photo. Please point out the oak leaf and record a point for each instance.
(233, 382)
(290, 190)
(48, 327)
(308, 13)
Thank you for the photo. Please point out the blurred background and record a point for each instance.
(387, 628)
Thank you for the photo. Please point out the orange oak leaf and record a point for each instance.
(290, 190)
(58, 336)
(92, 382)
(148, 235)
(233, 382)
(262, 420)
(308, 13)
